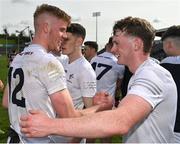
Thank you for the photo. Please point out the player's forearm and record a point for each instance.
(86, 126)
(69, 127)
(1, 86)
(90, 110)
(5, 97)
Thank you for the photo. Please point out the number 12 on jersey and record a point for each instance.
(13, 76)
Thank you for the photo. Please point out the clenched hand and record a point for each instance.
(35, 124)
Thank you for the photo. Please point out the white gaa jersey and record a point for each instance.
(33, 76)
(172, 64)
(81, 80)
(107, 72)
(154, 84)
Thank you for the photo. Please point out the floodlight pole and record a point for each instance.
(6, 33)
(96, 14)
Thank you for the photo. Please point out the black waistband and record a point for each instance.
(14, 136)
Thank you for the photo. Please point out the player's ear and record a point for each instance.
(46, 27)
(138, 44)
(79, 41)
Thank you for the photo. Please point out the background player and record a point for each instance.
(80, 76)
(109, 73)
(171, 46)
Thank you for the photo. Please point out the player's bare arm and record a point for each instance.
(1, 85)
(131, 110)
(63, 104)
(5, 97)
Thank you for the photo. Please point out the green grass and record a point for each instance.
(4, 121)
(4, 124)
(3, 68)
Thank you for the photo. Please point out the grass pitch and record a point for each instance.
(4, 121)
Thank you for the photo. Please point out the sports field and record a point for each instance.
(4, 121)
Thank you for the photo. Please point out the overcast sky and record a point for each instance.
(17, 14)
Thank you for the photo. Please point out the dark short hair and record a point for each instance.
(109, 43)
(110, 40)
(173, 31)
(92, 44)
(77, 29)
(52, 10)
(137, 27)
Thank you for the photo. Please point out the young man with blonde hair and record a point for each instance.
(36, 79)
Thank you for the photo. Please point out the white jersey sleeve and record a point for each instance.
(53, 76)
(150, 81)
(155, 85)
(148, 85)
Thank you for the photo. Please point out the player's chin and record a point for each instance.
(120, 60)
(64, 51)
(57, 48)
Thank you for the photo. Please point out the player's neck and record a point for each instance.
(137, 61)
(38, 41)
(74, 56)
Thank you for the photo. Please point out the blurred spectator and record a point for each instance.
(171, 46)
(91, 48)
(157, 51)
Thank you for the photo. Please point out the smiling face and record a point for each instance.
(57, 34)
(123, 47)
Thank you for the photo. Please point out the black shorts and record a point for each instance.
(13, 136)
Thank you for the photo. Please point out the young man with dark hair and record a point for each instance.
(81, 78)
(90, 51)
(145, 115)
